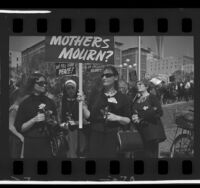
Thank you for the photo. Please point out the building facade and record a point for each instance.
(187, 64)
(15, 62)
(33, 58)
(152, 65)
(168, 65)
(15, 58)
(130, 57)
(118, 54)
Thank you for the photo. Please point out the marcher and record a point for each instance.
(109, 111)
(70, 114)
(155, 88)
(146, 117)
(132, 92)
(187, 90)
(123, 87)
(32, 120)
(191, 89)
(181, 91)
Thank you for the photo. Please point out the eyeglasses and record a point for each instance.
(42, 83)
(107, 75)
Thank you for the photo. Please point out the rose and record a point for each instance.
(42, 106)
(145, 107)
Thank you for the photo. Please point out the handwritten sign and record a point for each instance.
(65, 69)
(91, 67)
(80, 49)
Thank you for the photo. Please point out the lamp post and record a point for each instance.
(127, 69)
(182, 72)
(135, 68)
(120, 68)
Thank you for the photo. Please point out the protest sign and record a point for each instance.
(80, 49)
(91, 67)
(65, 69)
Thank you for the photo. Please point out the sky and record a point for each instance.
(18, 43)
(175, 46)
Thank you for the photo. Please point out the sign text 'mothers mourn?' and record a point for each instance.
(80, 49)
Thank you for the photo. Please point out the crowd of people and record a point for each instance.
(43, 125)
(176, 91)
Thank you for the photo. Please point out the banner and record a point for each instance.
(80, 49)
(65, 69)
(91, 67)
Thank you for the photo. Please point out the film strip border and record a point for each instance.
(138, 25)
(101, 170)
(114, 167)
(109, 22)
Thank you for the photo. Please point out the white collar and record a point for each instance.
(110, 94)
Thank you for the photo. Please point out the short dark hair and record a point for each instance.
(115, 72)
(32, 79)
(145, 82)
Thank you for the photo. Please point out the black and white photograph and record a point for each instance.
(124, 97)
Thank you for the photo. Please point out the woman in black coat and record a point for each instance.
(70, 112)
(108, 111)
(31, 120)
(146, 112)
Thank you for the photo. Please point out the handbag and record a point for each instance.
(152, 131)
(129, 141)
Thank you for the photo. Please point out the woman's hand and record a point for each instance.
(120, 119)
(80, 97)
(40, 117)
(21, 138)
(112, 117)
(64, 125)
(72, 122)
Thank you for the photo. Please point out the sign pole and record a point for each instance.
(81, 92)
(139, 58)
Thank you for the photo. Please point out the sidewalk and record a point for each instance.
(169, 124)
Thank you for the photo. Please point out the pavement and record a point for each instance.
(170, 126)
